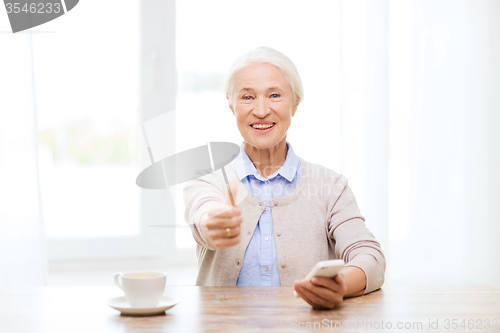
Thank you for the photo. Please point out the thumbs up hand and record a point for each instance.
(222, 228)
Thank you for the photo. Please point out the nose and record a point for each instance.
(261, 109)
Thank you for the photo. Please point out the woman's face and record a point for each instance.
(263, 104)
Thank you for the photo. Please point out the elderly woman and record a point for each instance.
(289, 213)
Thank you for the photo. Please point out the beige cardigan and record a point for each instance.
(320, 220)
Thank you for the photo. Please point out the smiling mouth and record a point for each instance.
(262, 126)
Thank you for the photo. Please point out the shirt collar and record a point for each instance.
(244, 167)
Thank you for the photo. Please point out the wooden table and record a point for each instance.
(253, 309)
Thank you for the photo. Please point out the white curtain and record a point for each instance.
(22, 241)
(420, 134)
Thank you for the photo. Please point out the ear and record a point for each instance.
(295, 107)
(230, 105)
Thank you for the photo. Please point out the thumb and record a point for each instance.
(232, 189)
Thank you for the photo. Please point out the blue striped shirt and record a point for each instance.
(260, 265)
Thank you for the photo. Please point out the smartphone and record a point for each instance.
(325, 268)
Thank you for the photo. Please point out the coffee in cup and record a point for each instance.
(142, 289)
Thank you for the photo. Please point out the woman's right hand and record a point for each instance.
(220, 218)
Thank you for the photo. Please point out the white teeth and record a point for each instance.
(262, 126)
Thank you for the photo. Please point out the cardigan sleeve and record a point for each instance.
(354, 243)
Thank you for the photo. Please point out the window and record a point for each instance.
(91, 105)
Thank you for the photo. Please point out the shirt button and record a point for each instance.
(248, 234)
(267, 182)
(266, 238)
(266, 268)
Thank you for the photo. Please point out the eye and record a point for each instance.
(247, 98)
(275, 95)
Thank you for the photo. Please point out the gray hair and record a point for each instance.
(262, 55)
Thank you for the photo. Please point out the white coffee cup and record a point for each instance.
(142, 289)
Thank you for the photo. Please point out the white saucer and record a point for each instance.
(121, 304)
